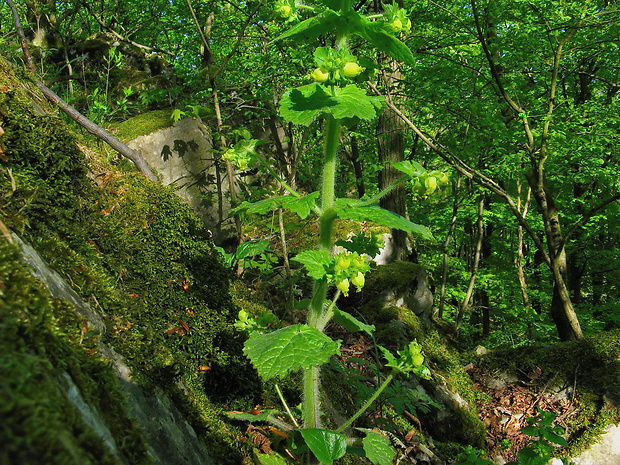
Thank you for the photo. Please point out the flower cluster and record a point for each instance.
(335, 66)
(349, 268)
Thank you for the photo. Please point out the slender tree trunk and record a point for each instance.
(390, 136)
(464, 306)
(520, 270)
(562, 310)
(444, 273)
(357, 167)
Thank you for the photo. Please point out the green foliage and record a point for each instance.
(378, 448)
(410, 359)
(248, 250)
(326, 446)
(306, 104)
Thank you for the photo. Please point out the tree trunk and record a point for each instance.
(391, 149)
(357, 167)
(464, 306)
(520, 270)
(390, 137)
(562, 310)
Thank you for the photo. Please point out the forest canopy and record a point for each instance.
(513, 104)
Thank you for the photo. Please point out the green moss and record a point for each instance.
(143, 124)
(38, 343)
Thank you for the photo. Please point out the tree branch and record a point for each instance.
(120, 37)
(134, 155)
(473, 174)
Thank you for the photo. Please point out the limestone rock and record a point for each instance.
(605, 452)
(181, 156)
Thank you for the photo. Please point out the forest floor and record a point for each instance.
(504, 405)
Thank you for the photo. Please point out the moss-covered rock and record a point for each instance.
(140, 257)
(41, 344)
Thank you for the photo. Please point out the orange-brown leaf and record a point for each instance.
(282, 434)
(185, 327)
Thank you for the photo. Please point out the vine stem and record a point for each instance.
(368, 403)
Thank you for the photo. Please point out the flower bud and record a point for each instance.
(283, 11)
(343, 286)
(320, 75)
(358, 281)
(352, 69)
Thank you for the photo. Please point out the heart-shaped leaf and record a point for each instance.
(326, 446)
(288, 349)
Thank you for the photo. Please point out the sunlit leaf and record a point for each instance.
(378, 448)
(347, 210)
(350, 323)
(316, 262)
(289, 349)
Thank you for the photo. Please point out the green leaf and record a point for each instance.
(302, 205)
(350, 323)
(530, 431)
(317, 262)
(378, 448)
(384, 41)
(288, 349)
(326, 446)
(262, 206)
(243, 153)
(305, 104)
(176, 115)
(552, 437)
(298, 205)
(313, 27)
(410, 360)
(347, 210)
(250, 249)
(362, 244)
(352, 103)
(302, 105)
(410, 168)
(270, 459)
(228, 257)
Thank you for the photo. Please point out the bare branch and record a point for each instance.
(119, 36)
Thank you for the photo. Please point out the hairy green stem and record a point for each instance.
(328, 197)
(311, 383)
(312, 398)
(368, 403)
